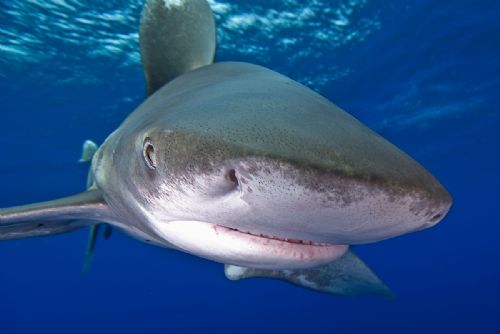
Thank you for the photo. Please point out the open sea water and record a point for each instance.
(424, 74)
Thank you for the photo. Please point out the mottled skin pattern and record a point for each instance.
(243, 117)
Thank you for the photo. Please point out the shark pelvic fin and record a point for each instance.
(89, 149)
(91, 243)
(89, 253)
(346, 276)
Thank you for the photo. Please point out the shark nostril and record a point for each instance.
(231, 176)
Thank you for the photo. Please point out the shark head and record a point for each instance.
(239, 164)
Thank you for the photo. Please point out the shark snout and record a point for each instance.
(438, 203)
(326, 206)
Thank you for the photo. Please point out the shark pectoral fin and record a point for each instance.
(176, 36)
(88, 150)
(57, 216)
(347, 276)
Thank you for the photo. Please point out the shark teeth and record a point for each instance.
(273, 237)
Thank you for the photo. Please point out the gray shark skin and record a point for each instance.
(238, 164)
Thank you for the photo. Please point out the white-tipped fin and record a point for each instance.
(176, 36)
(347, 276)
(88, 150)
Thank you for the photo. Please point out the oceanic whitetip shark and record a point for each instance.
(238, 164)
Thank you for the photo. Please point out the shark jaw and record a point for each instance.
(242, 248)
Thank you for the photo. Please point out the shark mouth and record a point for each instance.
(272, 237)
(233, 246)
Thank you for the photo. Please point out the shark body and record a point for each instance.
(238, 164)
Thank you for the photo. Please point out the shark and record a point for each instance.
(238, 164)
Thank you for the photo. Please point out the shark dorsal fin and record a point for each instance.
(176, 36)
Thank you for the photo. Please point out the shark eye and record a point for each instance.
(148, 153)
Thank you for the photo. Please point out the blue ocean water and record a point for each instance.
(424, 74)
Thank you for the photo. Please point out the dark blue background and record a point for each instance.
(427, 79)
